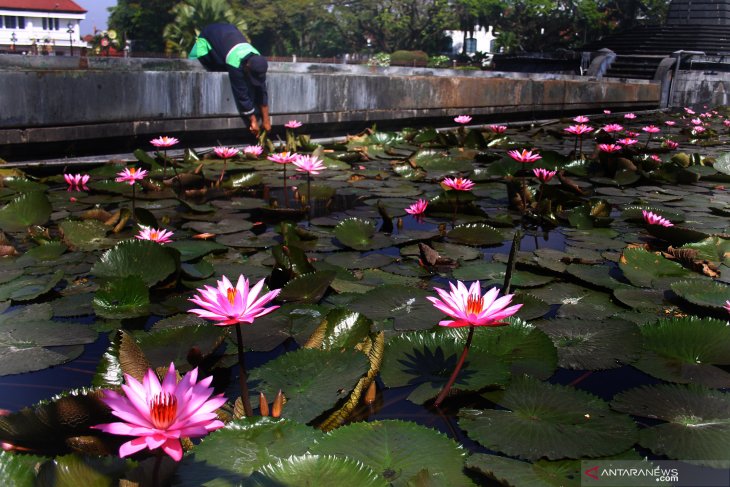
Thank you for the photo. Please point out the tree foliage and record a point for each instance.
(190, 16)
(142, 22)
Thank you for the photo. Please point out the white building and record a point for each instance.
(41, 26)
(478, 41)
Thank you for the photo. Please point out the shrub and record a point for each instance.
(409, 58)
(380, 59)
(439, 62)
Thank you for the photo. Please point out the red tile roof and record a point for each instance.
(66, 6)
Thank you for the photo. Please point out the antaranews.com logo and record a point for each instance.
(640, 473)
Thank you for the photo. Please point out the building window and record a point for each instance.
(50, 24)
(21, 22)
(12, 22)
(470, 45)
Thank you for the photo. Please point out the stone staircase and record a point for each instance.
(634, 66)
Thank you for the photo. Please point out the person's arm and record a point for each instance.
(265, 119)
(243, 99)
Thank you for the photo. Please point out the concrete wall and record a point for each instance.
(51, 99)
(697, 88)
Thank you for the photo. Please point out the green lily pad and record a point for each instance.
(324, 471)
(358, 234)
(598, 275)
(307, 288)
(222, 227)
(48, 251)
(398, 450)
(477, 234)
(703, 293)
(85, 235)
(342, 329)
(313, 381)
(577, 302)
(647, 269)
(353, 260)
(398, 307)
(714, 249)
(676, 235)
(195, 249)
(687, 350)
(493, 273)
(201, 269)
(246, 180)
(295, 320)
(642, 298)
(427, 359)
(17, 470)
(229, 455)
(542, 420)
(74, 470)
(562, 473)
(144, 258)
(587, 345)
(162, 346)
(532, 307)
(28, 209)
(697, 427)
(123, 297)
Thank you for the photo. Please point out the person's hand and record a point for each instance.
(254, 126)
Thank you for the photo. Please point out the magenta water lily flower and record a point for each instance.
(458, 184)
(610, 148)
(612, 128)
(417, 208)
(131, 175)
(282, 157)
(651, 129)
(253, 150)
(579, 129)
(498, 129)
(76, 182)
(726, 123)
(654, 219)
(226, 152)
(671, 144)
(462, 119)
(696, 121)
(627, 141)
(727, 305)
(689, 111)
(164, 141)
(670, 123)
(607, 112)
(228, 305)
(630, 116)
(293, 124)
(468, 307)
(544, 175)
(698, 130)
(581, 119)
(160, 236)
(158, 414)
(309, 164)
(655, 158)
(524, 155)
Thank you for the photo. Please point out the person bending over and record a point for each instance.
(222, 47)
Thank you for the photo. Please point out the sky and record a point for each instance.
(97, 14)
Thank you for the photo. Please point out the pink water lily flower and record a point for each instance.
(630, 116)
(228, 305)
(160, 414)
(524, 155)
(612, 127)
(544, 175)
(627, 141)
(253, 150)
(629, 133)
(607, 112)
(689, 111)
(462, 119)
(309, 164)
(225, 152)
(726, 123)
(581, 119)
(498, 129)
(293, 124)
(282, 157)
(610, 148)
(696, 121)
(131, 175)
(458, 184)
(579, 129)
(698, 130)
(670, 123)
(727, 305)
(651, 129)
(654, 219)
(164, 141)
(76, 182)
(417, 208)
(655, 158)
(468, 307)
(160, 236)
(671, 144)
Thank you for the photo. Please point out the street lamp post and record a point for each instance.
(70, 32)
(13, 40)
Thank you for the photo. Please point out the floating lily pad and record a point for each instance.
(144, 258)
(703, 293)
(307, 288)
(28, 209)
(562, 473)
(647, 269)
(324, 471)
(714, 249)
(532, 307)
(313, 381)
(676, 235)
(123, 297)
(427, 359)
(696, 427)
(398, 450)
(577, 302)
(73, 470)
(222, 227)
(642, 298)
(358, 234)
(17, 470)
(195, 249)
(478, 234)
(341, 329)
(687, 350)
(493, 273)
(543, 420)
(598, 275)
(85, 235)
(25, 288)
(587, 345)
(48, 251)
(405, 307)
(229, 455)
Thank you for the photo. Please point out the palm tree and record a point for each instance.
(190, 18)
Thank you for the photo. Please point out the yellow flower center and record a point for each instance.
(133, 171)
(154, 235)
(163, 410)
(474, 304)
(231, 295)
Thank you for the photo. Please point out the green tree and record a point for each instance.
(142, 22)
(190, 16)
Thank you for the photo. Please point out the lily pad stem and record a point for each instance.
(457, 369)
(242, 374)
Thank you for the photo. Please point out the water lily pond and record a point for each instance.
(610, 231)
